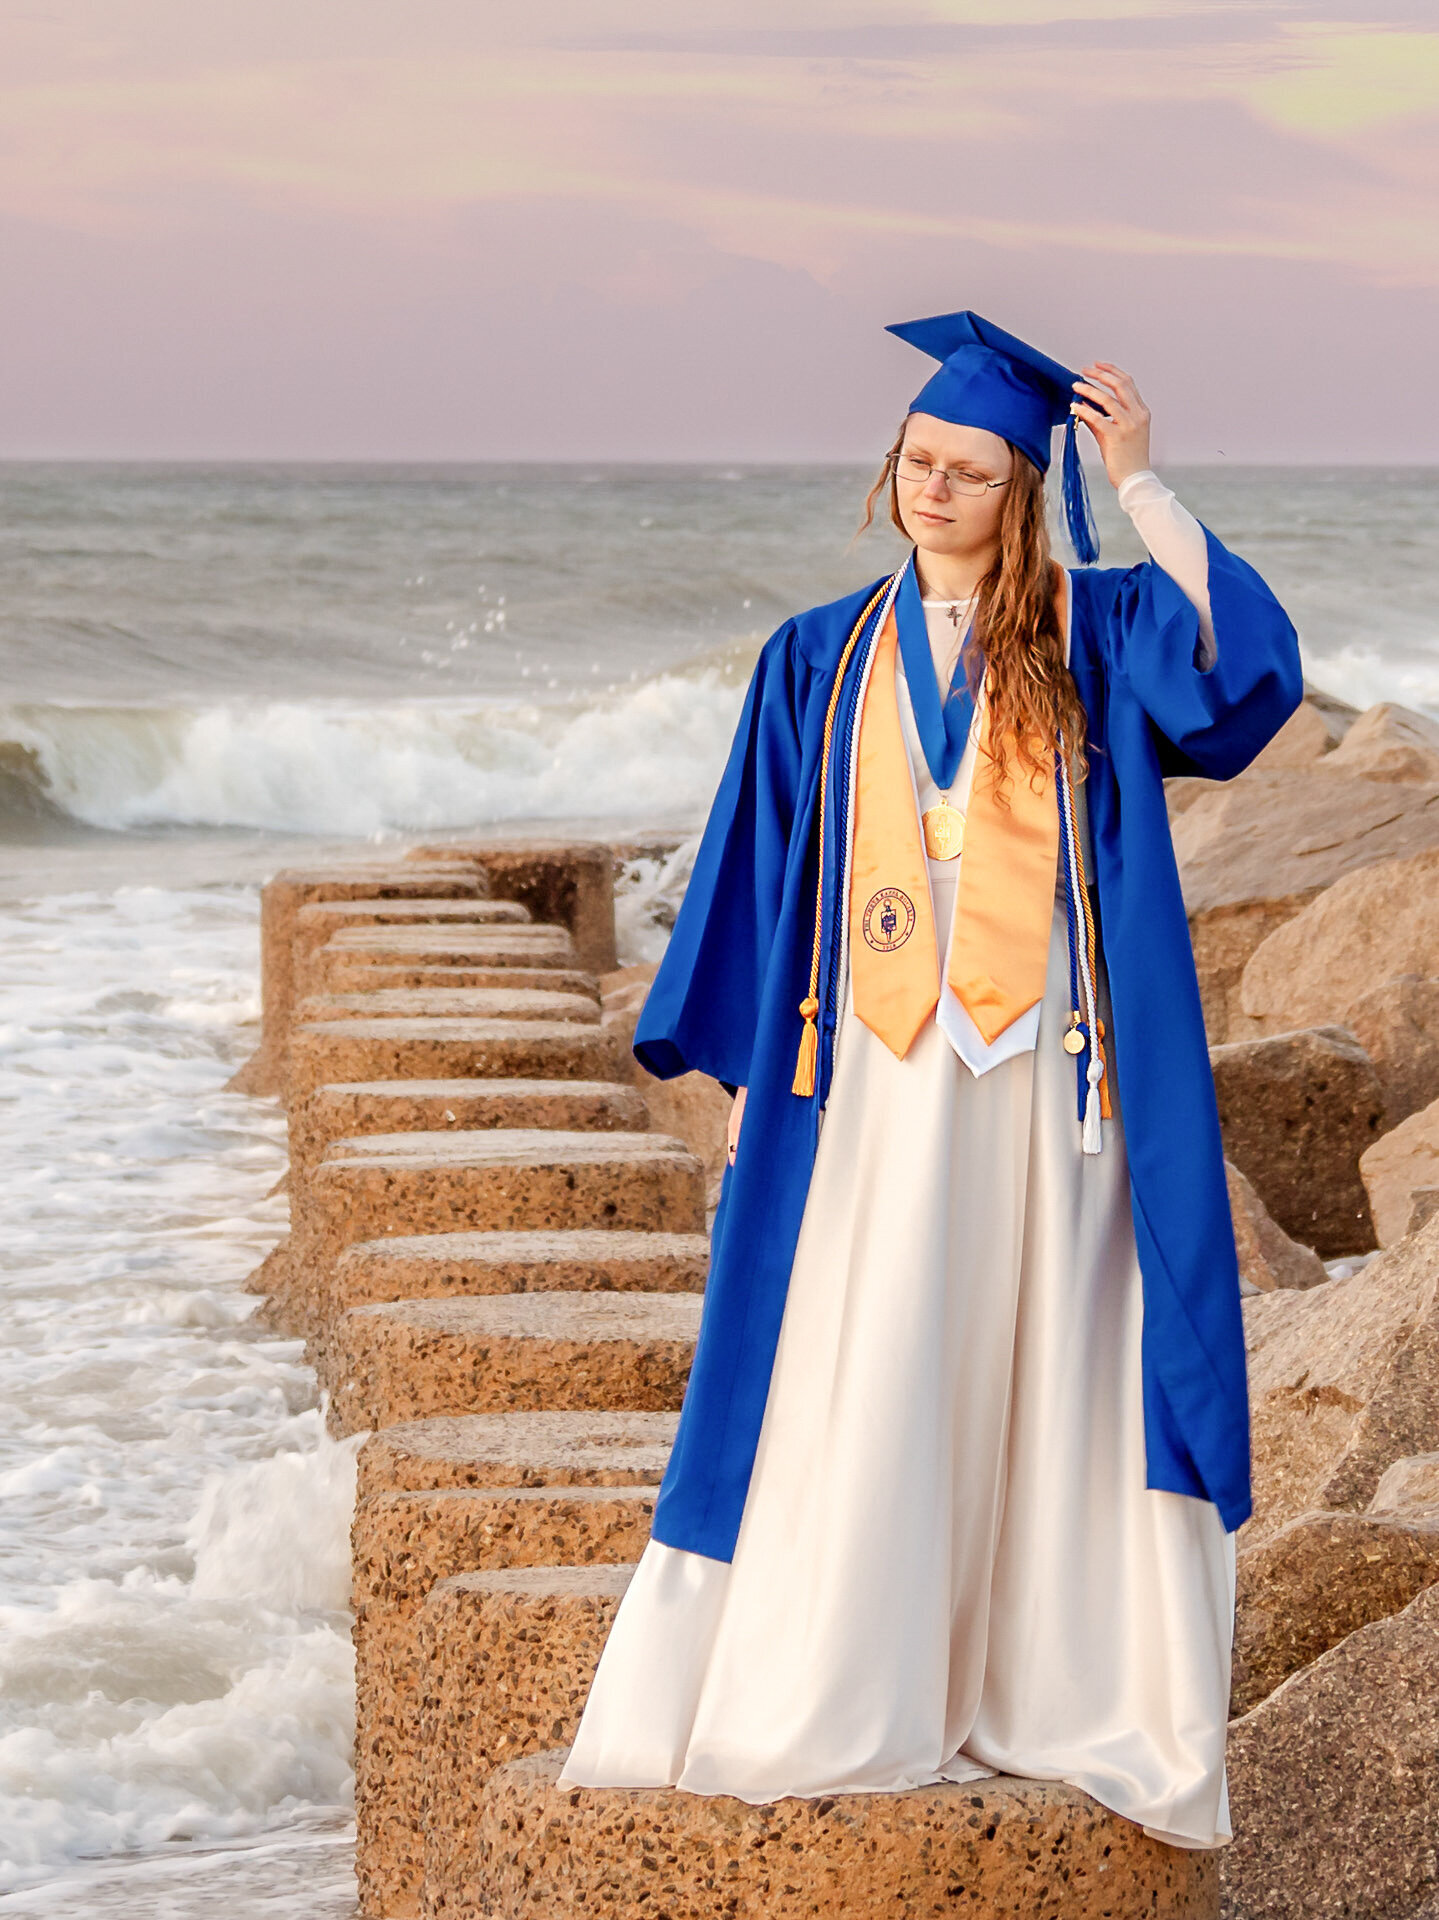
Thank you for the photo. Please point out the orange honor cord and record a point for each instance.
(804, 1072)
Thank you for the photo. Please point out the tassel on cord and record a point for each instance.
(1092, 1140)
(803, 1082)
(805, 1066)
(1078, 514)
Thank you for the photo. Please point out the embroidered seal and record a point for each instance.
(888, 920)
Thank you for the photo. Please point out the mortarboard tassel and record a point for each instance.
(1078, 514)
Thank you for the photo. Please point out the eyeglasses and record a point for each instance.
(955, 478)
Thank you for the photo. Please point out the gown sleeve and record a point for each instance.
(1213, 708)
(702, 1010)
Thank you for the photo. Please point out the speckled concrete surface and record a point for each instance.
(403, 1544)
(424, 1106)
(327, 1051)
(1334, 1782)
(570, 882)
(1301, 1590)
(517, 1450)
(501, 1179)
(508, 1659)
(460, 944)
(524, 1352)
(1007, 1846)
(433, 944)
(284, 897)
(322, 920)
(329, 973)
(434, 1266)
(452, 1003)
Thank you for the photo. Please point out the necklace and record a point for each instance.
(952, 608)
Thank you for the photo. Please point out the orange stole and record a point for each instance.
(1004, 900)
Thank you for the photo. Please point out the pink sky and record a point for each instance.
(351, 229)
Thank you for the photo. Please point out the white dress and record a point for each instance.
(949, 1564)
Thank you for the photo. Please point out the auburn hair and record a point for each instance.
(1016, 629)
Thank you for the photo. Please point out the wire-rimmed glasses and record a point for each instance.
(958, 479)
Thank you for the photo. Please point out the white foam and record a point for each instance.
(175, 1663)
(323, 767)
(278, 1532)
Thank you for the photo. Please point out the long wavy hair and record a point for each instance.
(1017, 636)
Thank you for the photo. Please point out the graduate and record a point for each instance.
(966, 1438)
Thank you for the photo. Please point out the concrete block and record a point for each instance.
(523, 1352)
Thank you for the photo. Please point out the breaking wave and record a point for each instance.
(651, 752)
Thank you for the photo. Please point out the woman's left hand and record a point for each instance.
(1110, 406)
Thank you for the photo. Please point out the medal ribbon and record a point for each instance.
(943, 725)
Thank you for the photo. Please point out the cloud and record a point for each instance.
(260, 193)
(1346, 79)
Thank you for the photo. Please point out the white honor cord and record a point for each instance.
(1092, 1137)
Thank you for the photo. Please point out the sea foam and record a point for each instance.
(324, 767)
(175, 1661)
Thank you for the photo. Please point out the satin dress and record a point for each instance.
(949, 1564)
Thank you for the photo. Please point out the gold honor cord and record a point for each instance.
(804, 1072)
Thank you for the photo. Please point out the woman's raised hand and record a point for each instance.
(1110, 406)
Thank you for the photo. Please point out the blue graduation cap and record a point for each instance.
(987, 378)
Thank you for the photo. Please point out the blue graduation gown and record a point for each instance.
(726, 997)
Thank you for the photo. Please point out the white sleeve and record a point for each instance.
(1176, 542)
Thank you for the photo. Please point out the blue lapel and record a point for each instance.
(943, 729)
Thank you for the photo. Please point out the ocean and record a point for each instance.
(212, 672)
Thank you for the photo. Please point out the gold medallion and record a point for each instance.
(943, 831)
(1073, 1041)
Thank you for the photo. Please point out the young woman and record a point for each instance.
(966, 1436)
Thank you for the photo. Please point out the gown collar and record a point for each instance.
(943, 726)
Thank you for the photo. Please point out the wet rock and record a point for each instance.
(507, 950)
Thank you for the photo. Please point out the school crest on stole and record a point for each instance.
(888, 920)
